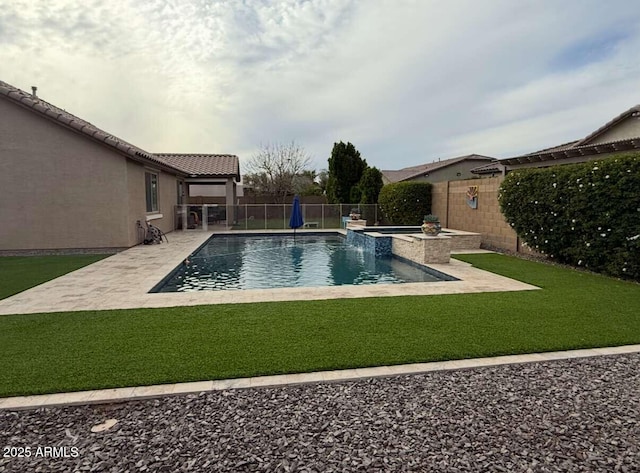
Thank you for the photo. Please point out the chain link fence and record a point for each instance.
(270, 216)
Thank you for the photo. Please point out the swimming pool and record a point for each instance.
(277, 261)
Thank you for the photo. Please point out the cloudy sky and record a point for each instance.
(406, 81)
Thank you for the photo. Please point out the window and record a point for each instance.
(151, 191)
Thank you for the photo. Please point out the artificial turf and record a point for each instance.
(56, 352)
(19, 273)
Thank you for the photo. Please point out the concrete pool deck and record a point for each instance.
(123, 281)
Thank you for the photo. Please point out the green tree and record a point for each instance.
(370, 185)
(345, 171)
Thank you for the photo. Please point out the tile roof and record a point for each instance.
(206, 165)
(203, 165)
(396, 176)
(575, 151)
(489, 168)
(561, 147)
(421, 169)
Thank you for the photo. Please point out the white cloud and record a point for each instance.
(405, 81)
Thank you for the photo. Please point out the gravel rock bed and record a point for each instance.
(570, 415)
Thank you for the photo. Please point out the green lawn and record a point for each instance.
(19, 273)
(86, 350)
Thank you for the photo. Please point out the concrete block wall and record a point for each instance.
(449, 202)
(439, 196)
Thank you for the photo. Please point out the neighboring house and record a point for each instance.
(69, 185)
(617, 136)
(437, 171)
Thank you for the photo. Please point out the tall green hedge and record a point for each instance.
(585, 215)
(405, 203)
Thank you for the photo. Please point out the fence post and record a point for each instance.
(183, 216)
(323, 216)
(265, 216)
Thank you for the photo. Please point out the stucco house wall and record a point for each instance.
(167, 200)
(628, 128)
(54, 183)
(453, 172)
(137, 204)
(437, 171)
(58, 184)
(70, 186)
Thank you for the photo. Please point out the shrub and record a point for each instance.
(585, 215)
(405, 203)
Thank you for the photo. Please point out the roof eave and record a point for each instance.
(95, 134)
(587, 150)
(236, 177)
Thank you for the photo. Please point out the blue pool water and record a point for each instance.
(265, 262)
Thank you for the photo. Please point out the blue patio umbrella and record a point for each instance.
(296, 215)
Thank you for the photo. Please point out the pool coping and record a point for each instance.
(138, 393)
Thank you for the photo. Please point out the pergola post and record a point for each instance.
(230, 201)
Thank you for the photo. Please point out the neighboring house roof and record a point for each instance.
(489, 168)
(633, 111)
(412, 172)
(396, 176)
(583, 147)
(559, 147)
(203, 165)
